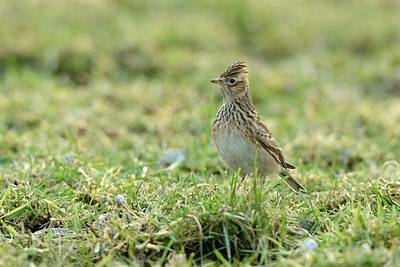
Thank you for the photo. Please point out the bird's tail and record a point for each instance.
(292, 182)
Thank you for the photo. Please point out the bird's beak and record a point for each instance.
(215, 81)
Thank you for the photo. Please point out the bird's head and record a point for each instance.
(233, 81)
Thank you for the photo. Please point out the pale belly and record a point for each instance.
(241, 153)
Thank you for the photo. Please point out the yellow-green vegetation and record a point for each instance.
(94, 94)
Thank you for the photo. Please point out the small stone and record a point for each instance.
(103, 217)
(57, 231)
(309, 244)
(97, 248)
(120, 199)
(53, 231)
(69, 159)
(171, 158)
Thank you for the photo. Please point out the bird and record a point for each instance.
(241, 138)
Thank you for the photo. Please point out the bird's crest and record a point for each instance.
(236, 69)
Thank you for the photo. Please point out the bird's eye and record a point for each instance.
(232, 81)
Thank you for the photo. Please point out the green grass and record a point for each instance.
(92, 93)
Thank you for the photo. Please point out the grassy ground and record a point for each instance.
(93, 94)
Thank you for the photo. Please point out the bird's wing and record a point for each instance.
(268, 142)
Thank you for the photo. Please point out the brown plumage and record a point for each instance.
(240, 135)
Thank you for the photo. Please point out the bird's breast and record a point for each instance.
(239, 151)
(235, 150)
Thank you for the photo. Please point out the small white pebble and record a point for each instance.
(171, 158)
(102, 217)
(57, 231)
(120, 199)
(144, 171)
(97, 248)
(309, 244)
(69, 159)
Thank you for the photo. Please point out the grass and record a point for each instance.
(94, 93)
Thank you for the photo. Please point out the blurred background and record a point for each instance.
(127, 78)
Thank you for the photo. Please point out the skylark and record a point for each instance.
(239, 134)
